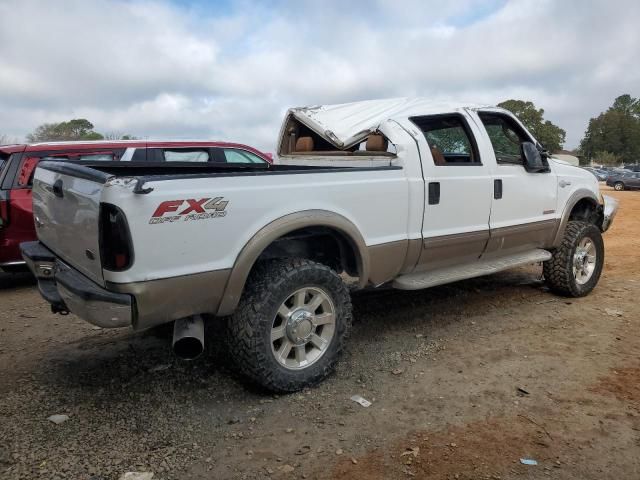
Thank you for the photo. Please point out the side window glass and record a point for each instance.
(82, 157)
(449, 139)
(506, 139)
(97, 157)
(192, 155)
(241, 156)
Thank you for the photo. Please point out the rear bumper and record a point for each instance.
(609, 211)
(68, 290)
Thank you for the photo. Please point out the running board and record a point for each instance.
(417, 281)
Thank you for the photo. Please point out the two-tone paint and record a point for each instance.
(382, 212)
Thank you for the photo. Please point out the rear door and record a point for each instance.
(458, 188)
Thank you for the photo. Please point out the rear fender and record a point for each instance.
(276, 229)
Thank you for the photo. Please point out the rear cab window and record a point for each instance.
(450, 140)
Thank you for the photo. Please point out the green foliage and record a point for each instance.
(616, 131)
(607, 158)
(549, 135)
(76, 129)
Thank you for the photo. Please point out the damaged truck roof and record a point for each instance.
(346, 124)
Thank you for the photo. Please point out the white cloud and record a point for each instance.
(157, 69)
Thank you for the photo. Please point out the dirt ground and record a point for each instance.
(465, 380)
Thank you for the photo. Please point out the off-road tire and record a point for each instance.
(558, 272)
(618, 186)
(249, 328)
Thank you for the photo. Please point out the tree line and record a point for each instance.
(73, 130)
(611, 138)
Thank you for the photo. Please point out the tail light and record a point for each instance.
(4, 208)
(116, 250)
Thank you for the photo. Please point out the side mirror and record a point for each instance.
(533, 161)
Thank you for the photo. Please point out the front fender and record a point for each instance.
(573, 200)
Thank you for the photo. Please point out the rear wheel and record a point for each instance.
(619, 186)
(576, 266)
(291, 324)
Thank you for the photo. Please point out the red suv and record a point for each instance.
(18, 163)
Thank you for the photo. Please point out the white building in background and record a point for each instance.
(567, 156)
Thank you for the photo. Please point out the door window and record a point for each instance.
(104, 156)
(506, 138)
(241, 156)
(449, 139)
(200, 155)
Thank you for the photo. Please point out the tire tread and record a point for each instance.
(245, 328)
(558, 271)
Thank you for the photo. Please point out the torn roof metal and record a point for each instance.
(346, 124)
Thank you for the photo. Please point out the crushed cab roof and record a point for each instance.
(346, 124)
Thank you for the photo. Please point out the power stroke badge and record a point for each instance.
(190, 209)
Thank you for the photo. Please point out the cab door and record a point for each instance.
(458, 190)
(523, 208)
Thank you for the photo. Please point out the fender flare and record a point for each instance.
(247, 257)
(573, 200)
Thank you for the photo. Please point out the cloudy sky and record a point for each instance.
(228, 70)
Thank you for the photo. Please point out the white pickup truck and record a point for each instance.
(401, 193)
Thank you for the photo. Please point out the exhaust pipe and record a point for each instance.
(188, 337)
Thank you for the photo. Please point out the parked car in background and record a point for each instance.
(18, 162)
(599, 174)
(633, 167)
(625, 180)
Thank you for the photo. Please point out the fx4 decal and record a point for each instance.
(189, 209)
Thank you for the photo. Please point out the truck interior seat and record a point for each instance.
(438, 156)
(376, 143)
(304, 144)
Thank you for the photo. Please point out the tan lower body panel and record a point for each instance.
(386, 260)
(167, 299)
(448, 250)
(521, 238)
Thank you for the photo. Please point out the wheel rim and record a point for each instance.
(303, 328)
(618, 186)
(584, 261)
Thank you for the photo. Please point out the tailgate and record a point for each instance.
(66, 210)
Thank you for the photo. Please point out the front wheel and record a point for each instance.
(291, 324)
(619, 186)
(575, 268)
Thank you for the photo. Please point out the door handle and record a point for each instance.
(497, 188)
(564, 183)
(434, 193)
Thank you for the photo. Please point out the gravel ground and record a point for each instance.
(442, 367)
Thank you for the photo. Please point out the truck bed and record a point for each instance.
(148, 171)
